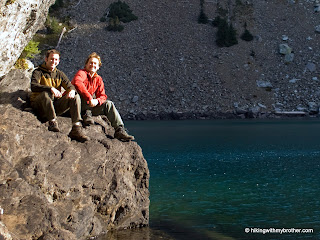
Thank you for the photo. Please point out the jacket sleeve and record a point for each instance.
(65, 82)
(35, 82)
(101, 95)
(78, 82)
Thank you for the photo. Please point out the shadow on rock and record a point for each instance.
(18, 99)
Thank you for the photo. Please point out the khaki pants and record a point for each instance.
(108, 109)
(49, 107)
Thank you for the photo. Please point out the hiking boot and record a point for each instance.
(87, 118)
(53, 126)
(122, 135)
(77, 134)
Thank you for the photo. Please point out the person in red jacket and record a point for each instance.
(90, 86)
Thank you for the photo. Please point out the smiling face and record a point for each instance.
(52, 61)
(92, 65)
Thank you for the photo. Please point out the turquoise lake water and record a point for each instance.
(214, 179)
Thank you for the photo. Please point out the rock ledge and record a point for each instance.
(55, 188)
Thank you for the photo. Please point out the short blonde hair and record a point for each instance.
(94, 55)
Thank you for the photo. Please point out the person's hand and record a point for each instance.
(93, 102)
(71, 94)
(56, 92)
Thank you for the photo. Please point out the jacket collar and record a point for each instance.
(44, 68)
(89, 75)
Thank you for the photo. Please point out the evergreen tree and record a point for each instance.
(202, 17)
(216, 21)
(246, 36)
(226, 34)
(122, 11)
(119, 12)
(114, 25)
(201, 3)
(231, 36)
(222, 33)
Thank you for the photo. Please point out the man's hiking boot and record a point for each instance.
(122, 135)
(77, 134)
(53, 126)
(87, 118)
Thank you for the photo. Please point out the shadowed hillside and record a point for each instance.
(167, 65)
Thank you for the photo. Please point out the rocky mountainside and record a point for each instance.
(55, 188)
(167, 65)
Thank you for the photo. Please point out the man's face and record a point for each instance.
(52, 61)
(92, 65)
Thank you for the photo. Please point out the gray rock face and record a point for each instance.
(19, 20)
(55, 188)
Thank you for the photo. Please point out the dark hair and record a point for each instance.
(53, 51)
(94, 55)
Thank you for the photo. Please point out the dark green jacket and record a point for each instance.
(42, 80)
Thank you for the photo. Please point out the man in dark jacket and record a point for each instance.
(53, 94)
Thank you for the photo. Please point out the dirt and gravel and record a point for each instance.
(166, 65)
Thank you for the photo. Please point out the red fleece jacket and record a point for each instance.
(87, 86)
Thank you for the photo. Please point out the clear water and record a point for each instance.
(213, 179)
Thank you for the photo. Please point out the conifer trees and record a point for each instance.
(119, 12)
(202, 16)
(226, 35)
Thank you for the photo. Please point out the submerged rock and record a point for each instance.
(55, 188)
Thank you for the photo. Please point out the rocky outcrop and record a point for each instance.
(55, 188)
(19, 20)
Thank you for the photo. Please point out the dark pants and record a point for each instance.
(49, 107)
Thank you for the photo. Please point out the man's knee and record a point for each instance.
(45, 95)
(43, 106)
(77, 99)
(74, 101)
(109, 104)
(43, 98)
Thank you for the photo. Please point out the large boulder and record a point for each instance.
(55, 188)
(19, 21)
